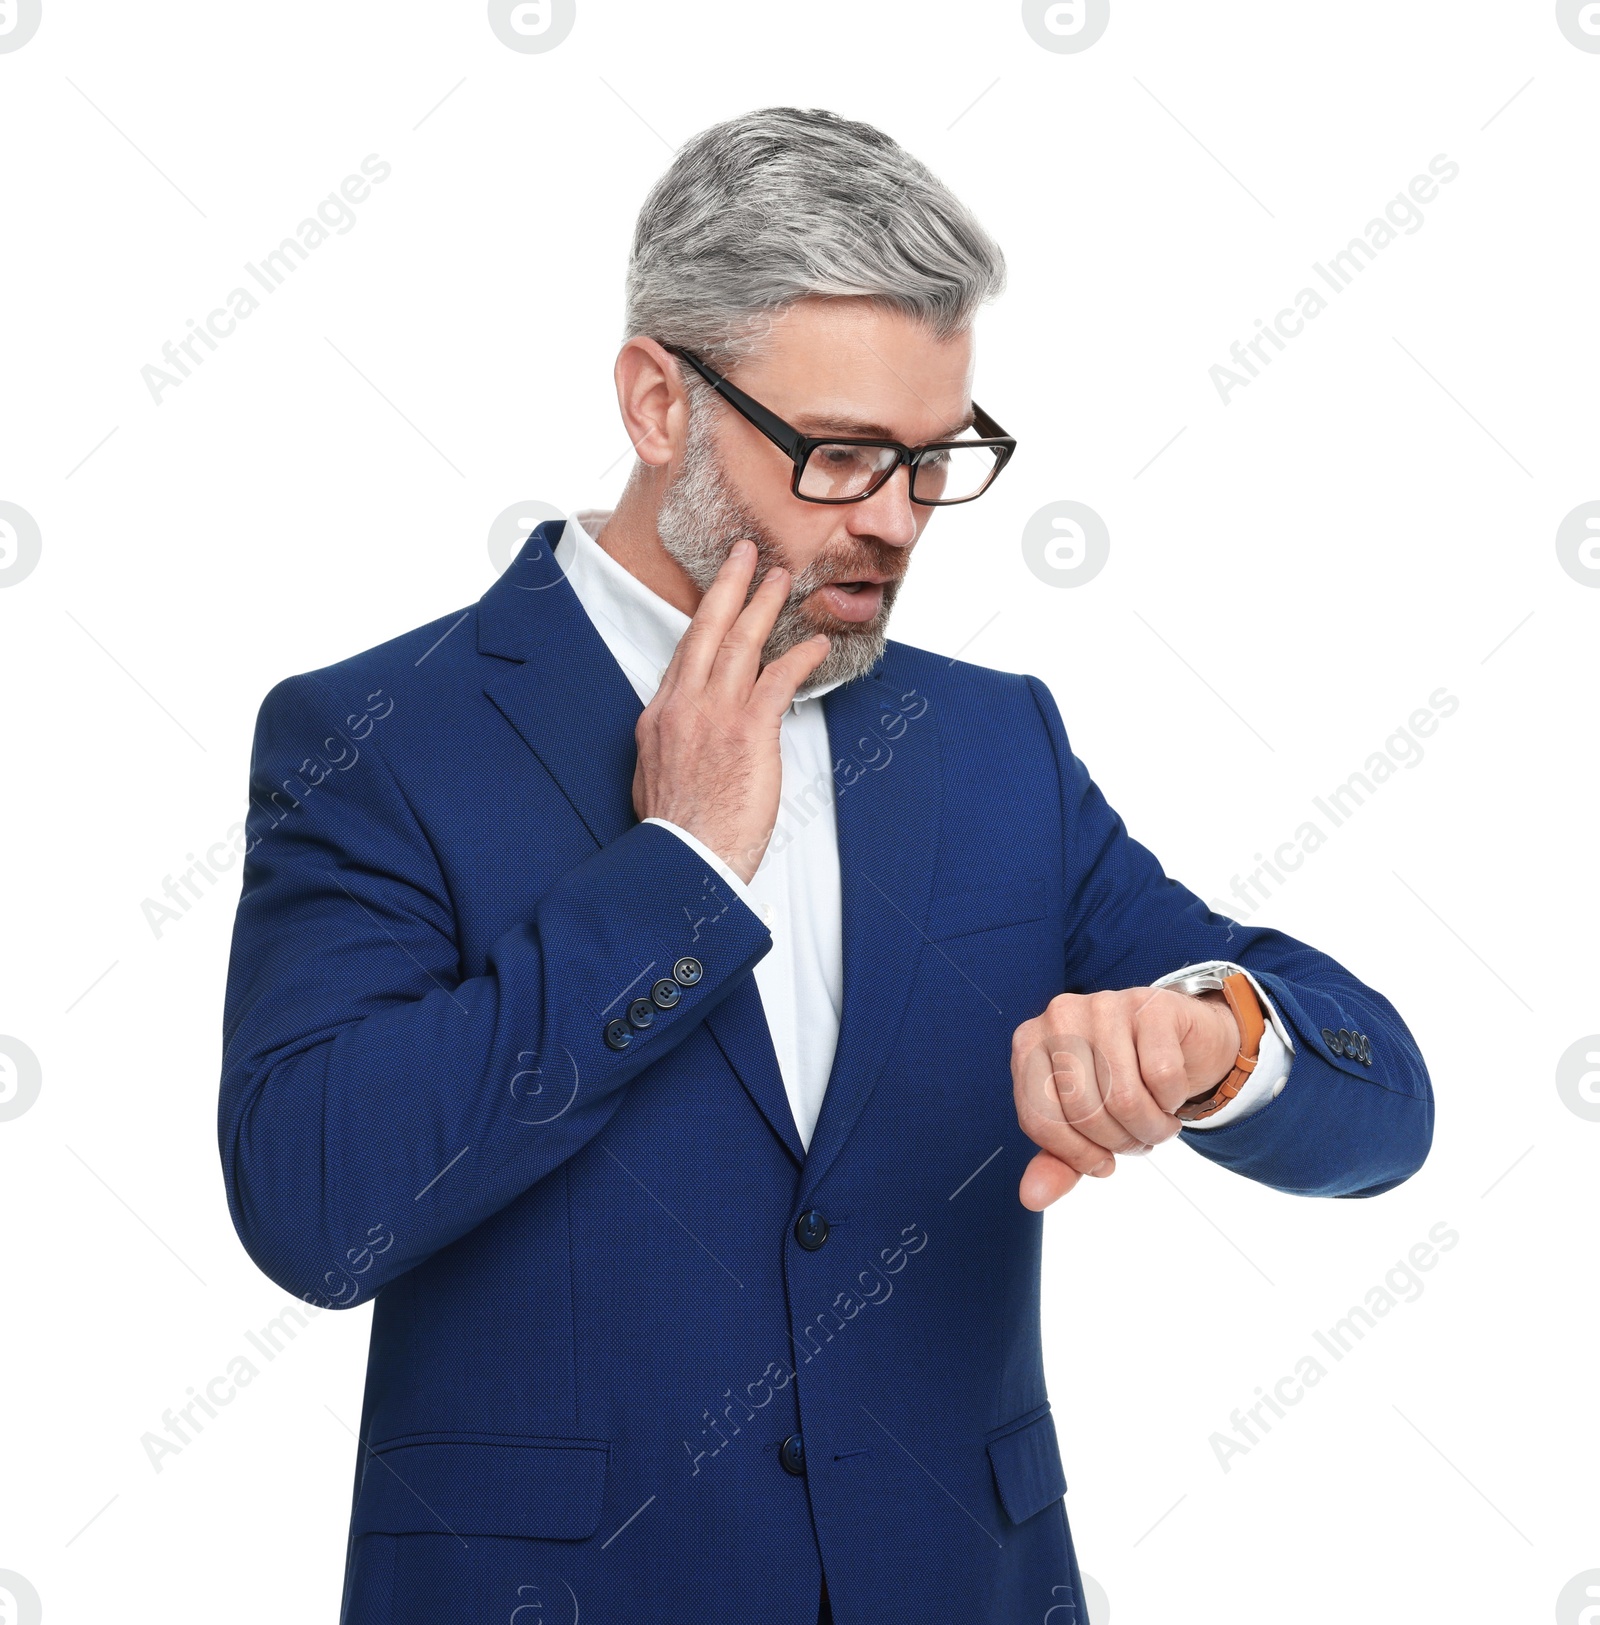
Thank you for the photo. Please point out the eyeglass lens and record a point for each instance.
(836, 471)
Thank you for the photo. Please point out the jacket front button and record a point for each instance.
(641, 1013)
(792, 1455)
(811, 1230)
(618, 1034)
(687, 971)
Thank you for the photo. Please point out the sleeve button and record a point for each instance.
(687, 971)
(665, 993)
(618, 1034)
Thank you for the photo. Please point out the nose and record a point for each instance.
(888, 513)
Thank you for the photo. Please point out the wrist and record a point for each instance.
(737, 875)
(1243, 1027)
(1228, 1039)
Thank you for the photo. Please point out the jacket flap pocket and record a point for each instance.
(982, 908)
(483, 1484)
(1027, 1464)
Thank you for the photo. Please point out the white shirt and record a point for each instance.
(796, 888)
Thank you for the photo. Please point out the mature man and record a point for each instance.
(674, 1003)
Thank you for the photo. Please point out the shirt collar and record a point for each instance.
(639, 626)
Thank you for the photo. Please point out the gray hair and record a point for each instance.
(777, 204)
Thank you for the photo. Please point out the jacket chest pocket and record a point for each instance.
(985, 908)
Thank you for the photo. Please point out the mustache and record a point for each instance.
(888, 562)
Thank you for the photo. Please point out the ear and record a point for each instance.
(652, 400)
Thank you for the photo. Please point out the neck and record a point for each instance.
(630, 537)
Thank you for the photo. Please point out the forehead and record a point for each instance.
(846, 366)
(841, 421)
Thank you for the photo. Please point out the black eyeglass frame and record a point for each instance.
(799, 447)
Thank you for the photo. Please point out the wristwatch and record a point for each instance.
(1246, 1007)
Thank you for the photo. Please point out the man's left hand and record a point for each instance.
(1098, 1075)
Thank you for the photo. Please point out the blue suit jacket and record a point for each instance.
(595, 1320)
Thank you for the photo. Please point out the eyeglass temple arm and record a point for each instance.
(775, 429)
(771, 425)
(986, 425)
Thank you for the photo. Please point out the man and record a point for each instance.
(674, 1004)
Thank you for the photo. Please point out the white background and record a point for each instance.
(1372, 519)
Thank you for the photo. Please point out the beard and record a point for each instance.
(702, 516)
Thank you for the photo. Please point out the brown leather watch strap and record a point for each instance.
(1246, 1007)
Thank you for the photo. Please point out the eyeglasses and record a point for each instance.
(845, 469)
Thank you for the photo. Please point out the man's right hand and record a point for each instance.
(709, 759)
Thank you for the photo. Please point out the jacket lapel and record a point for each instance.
(575, 709)
(566, 696)
(885, 746)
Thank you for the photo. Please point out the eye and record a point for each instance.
(839, 456)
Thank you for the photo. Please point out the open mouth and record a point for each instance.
(852, 601)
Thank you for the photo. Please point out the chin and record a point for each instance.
(855, 649)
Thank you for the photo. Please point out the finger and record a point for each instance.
(718, 609)
(737, 663)
(1126, 1104)
(1043, 1118)
(1161, 1065)
(1087, 1075)
(1046, 1179)
(779, 681)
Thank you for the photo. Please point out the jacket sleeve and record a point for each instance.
(376, 1105)
(1338, 1127)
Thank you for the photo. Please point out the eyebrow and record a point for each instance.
(813, 424)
